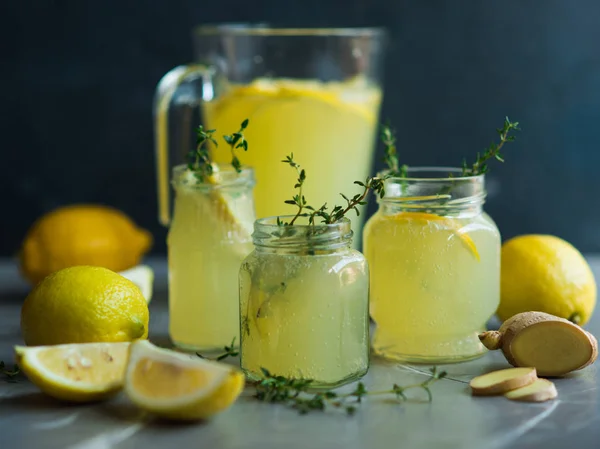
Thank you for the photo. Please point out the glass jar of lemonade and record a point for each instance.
(209, 236)
(434, 259)
(304, 298)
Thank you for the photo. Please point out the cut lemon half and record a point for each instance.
(76, 372)
(457, 228)
(143, 277)
(179, 386)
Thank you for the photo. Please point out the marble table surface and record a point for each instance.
(29, 419)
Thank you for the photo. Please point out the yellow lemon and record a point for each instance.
(544, 273)
(82, 235)
(179, 386)
(78, 372)
(84, 305)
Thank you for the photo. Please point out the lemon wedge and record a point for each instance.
(446, 222)
(76, 372)
(227, 209)
(143, 277)
(178, 386)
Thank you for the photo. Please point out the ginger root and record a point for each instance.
(539, 391)
(500, 382)
(551, 345)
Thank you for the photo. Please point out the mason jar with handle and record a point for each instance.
(313, 92)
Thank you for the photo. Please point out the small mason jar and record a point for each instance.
(434, 259)
(304, 300)
(209, 236)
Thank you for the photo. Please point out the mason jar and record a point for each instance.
(304, 300)
(209, 236)
(434, 258)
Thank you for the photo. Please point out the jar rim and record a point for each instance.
(449, 171)
(229, 177)
(272, 221)
(268, 233)
(262, 29)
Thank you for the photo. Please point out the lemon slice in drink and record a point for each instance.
(76, 372)
(457, 228)
(179, 386)
(236, 215)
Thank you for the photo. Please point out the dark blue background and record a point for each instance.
(78, 79)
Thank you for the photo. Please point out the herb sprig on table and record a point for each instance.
(228, 351)
(479, 167)
(9, 375)
(295, 393)
(199, 160)
(373, 183)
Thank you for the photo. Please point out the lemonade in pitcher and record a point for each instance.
(330, 126)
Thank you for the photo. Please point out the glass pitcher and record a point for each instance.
(312, 92)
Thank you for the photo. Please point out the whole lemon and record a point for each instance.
(82, 235)
(544, 273)
(84, 305)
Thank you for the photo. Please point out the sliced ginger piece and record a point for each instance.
(539, 391)
(552, 345)
(502, 381)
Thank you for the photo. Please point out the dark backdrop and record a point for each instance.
(77, 81)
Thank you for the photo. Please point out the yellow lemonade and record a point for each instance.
(305, 313)
(329, 126)
(435, 281)
(209, 237)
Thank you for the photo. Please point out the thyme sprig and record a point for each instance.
(298, 200)
(199, 160)
(374, 183)
(229, 351)
(388, 138)
(9, 375)
(480, 166)
(295, 392)
(235, 141)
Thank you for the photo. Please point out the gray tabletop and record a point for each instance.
(29, 419)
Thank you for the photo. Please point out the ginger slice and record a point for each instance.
(539, 391)
(552, 345)
(502, 381)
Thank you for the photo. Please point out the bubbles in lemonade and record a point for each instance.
(305, 316)
(435, 281)
(208, 239)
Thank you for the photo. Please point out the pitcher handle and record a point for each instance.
(188, 85)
